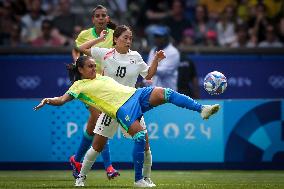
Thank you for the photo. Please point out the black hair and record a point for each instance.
(97, 8)
(110, 24)
(73, 70)
(118, 31)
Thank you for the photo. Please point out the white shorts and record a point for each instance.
(107, 126)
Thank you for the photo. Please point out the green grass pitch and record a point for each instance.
(163, 179)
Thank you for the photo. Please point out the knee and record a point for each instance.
(99, 143)
(98, 147)
(160, 93)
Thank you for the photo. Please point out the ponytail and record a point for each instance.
(73, 71)
(111, 25)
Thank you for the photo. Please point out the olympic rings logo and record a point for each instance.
(28, 82)
(276, 81)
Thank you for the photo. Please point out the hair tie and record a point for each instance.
(74, 65)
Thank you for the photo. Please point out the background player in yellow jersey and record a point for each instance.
(124, 66)
(101, 22)
(125, 104)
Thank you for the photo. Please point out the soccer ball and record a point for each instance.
(215, 83)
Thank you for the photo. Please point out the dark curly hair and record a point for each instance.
(73, 70)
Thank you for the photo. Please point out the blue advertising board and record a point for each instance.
(244, 131)
(249, 76)
(33, 76)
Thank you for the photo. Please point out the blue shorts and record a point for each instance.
(134, 107)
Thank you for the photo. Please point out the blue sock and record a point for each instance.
(138, 154)
(106, 155)
(84, 146)
(181, 100)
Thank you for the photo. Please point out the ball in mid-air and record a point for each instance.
(215, 83)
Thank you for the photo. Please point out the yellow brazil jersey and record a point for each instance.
(103, 93)
(89, 34)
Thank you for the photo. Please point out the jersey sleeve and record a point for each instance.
(74, 90)
(142, 65)
(99, 53)
(80, 39)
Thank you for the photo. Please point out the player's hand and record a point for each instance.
(103, 34)
(41, 104)
(160, 55)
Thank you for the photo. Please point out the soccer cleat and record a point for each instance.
(112, 173)
(208, 110)
(142, 184)
(149, 181)
(80, 180)
(76, 166)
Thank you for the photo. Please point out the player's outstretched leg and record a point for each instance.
(184, 101)
(208, 110)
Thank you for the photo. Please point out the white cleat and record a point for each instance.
(80, 181)
(142, 184)
(209, 110)
(149, 181)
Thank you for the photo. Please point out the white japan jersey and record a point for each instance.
(124, 68)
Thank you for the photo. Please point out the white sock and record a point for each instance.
(89, 160)
(147, 163)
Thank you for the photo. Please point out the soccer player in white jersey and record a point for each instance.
(124, 67)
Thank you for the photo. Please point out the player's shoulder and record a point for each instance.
(110, 30)
(134, 53)
(85, 32)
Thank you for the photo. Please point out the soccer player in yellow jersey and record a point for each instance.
(101, 22)
(125, 104)
(124, 66)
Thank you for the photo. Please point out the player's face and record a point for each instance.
(123, 42)
(100, 18)
(88, 71)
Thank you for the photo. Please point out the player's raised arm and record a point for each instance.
(160, 55)
(86, 47)
(55, 101)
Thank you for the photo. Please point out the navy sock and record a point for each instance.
(106, 155)
(138, 156)
(84, 146)
(181, 100)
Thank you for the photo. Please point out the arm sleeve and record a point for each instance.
(99, 53)
(80, 39)
(74, 90)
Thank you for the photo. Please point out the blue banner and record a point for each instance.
(33, 76)
(249, 76)
(243, 131)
